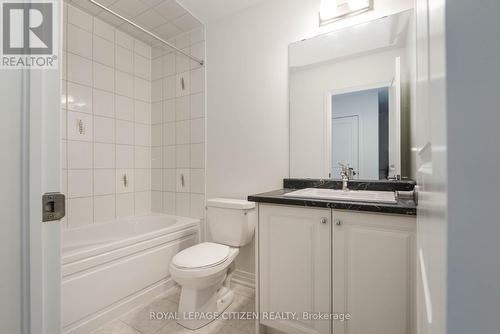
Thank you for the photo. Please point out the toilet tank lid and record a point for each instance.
(230, 203)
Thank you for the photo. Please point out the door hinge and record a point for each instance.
(53, 206)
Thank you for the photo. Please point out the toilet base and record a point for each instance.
(199, 307)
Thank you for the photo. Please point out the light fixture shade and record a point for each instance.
(333, 10)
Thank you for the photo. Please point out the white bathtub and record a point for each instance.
(110, 268)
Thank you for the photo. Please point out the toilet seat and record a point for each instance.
(204, 255)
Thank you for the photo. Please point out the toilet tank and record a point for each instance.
(231, 221)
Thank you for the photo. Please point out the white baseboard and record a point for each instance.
(244, 278)
(113, 311)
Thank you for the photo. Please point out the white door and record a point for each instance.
(294, 266)
(30, 155)
(395, 122)
(345, 144)
(373, 273)
(432, 170)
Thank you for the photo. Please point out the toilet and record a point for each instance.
(204, 270)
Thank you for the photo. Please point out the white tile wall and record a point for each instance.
(134, 113)
(178, 129)
(107, 116)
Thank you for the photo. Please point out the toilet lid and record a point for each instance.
(206, 254)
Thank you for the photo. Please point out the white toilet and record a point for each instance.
(204, 271)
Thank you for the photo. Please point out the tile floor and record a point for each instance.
(137, 321)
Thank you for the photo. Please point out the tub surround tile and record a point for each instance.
(79, 126)
(104, 155)
(136, 116)
(197, 155)
(403, 206)
(124, 59)
(125, 205)
(104, 51)
(141, 202)
(124, 108)
(79, 98)
(80, 211)
(104, 182)
(79, 41)
(124, 40)
(197, 206)
(79, 155)
(143, 179)
(156, 201)
(169, 204)
(79, 18)
(79, 70)
(104, 30)
(142, 157)
(103, 103)
(104, 77)
(182, 204)
(104, 208)
(79, 183)
(124, 84)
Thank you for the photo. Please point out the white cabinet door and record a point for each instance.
(295, 262)
(373, 273)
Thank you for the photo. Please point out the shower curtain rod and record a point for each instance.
(199, 61)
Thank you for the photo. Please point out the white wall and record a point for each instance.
(308, 87)
(247, 94)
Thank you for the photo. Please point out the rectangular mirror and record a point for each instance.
(350, 100)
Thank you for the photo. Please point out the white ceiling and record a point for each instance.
(166, 18)
(211, 10)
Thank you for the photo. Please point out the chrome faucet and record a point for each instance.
(346, 173)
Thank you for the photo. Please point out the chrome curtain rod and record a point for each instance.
(199, 61)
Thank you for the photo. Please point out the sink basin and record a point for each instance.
(388, 197)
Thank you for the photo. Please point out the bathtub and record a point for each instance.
(110, 268)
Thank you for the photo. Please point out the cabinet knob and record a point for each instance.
(338, 222)
(324, 220)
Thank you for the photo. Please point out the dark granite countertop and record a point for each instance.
(405, 206)
(377, 185)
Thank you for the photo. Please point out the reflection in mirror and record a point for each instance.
(350, 101)
(370, 110)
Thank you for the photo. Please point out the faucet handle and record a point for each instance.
(345, 168)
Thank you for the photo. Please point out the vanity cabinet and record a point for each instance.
(295, 266)
(337, 261)
(373, 269)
